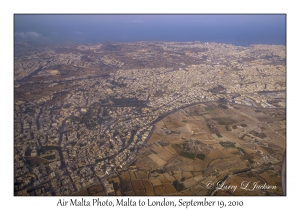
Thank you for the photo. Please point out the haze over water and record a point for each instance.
(231, 29)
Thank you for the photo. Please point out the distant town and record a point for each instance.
(87, 115)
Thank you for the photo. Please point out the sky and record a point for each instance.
(233, 29)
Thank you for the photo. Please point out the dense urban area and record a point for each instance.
(148, 118)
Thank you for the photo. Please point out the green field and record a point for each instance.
(200, 156)
(219, 135)
(187, 154)
(227, 144)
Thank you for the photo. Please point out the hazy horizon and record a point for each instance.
(89, 29)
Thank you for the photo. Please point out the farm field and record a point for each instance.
(208, 144)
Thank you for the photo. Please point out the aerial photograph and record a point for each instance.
(149, 105)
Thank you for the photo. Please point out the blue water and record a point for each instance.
(233, 29)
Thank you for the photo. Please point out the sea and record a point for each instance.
(242, 30)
